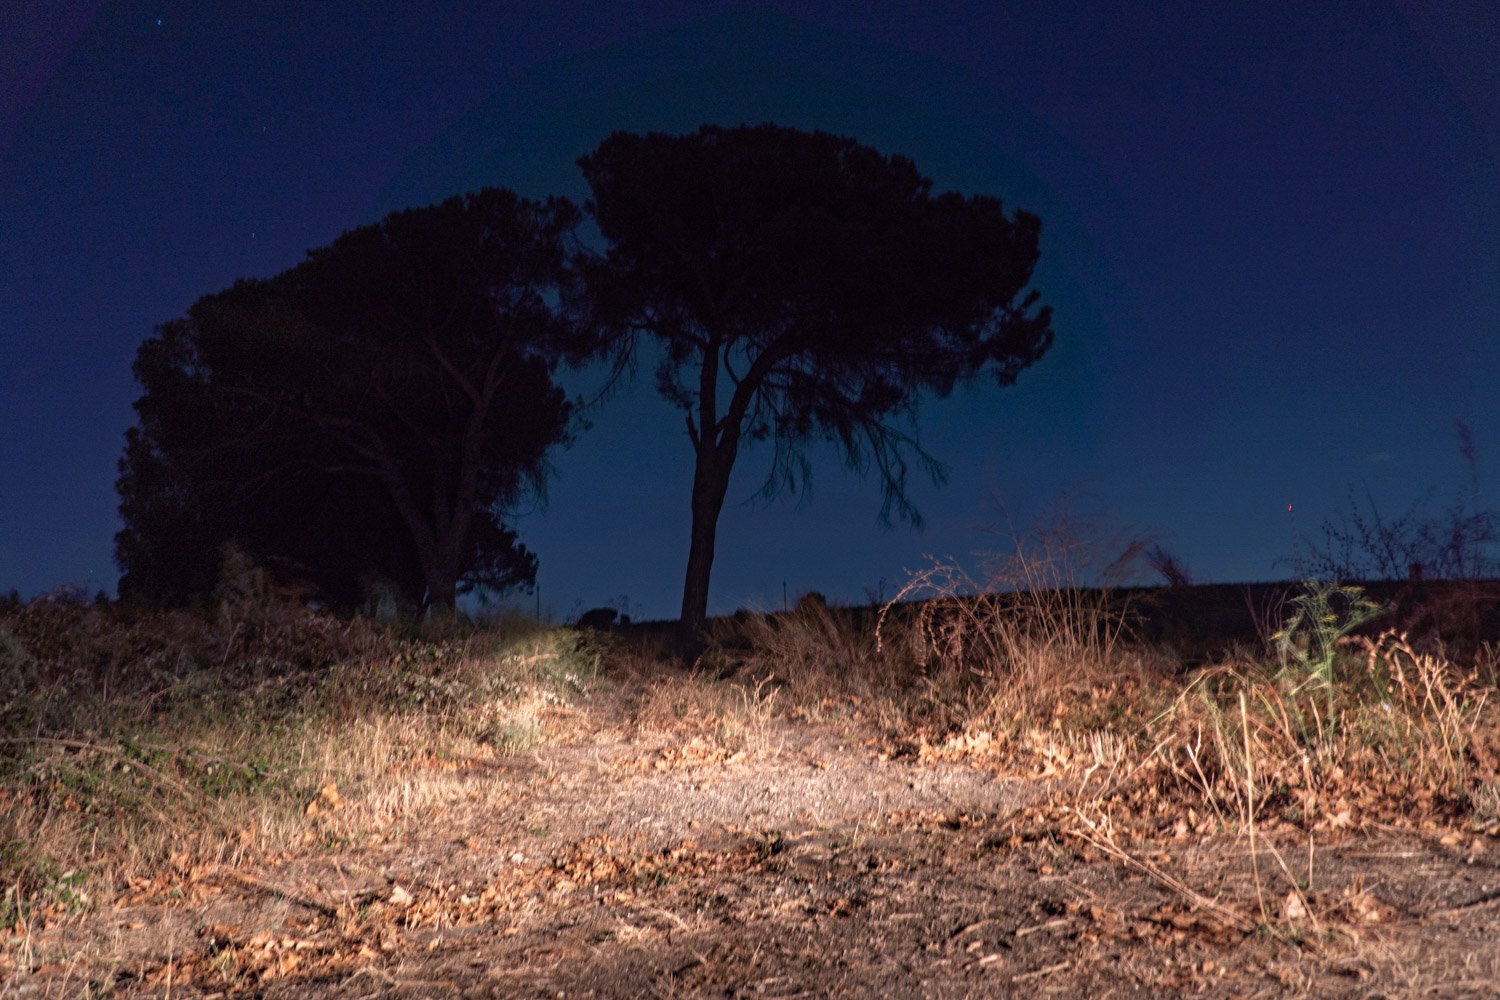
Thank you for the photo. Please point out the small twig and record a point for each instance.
(1049, 925)
(681, 924)
(1081, 890)
(692, 963)
(1309, 860)
(1039, 973)
(1382, 855)
(966, 928)
(1260, 896)
(1488, 899)
(375, 972)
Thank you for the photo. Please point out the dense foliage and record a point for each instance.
(365, 417)
(804, 288)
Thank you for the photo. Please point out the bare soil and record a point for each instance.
(620, 860)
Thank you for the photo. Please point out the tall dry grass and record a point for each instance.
(817, 656)
(1037, 663)
(953, 657)
(1041, 635)
(1402, 731)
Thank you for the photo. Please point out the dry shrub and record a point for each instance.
(813, 652)
(1427, 722)
(1033, 637)
(1400, 735)
(953, 663)
(66, 665)
(687, 705)
(1456, 614)
(729, 716)
(1487, 664)
(809, 663)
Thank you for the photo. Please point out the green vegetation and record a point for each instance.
(1323, 616)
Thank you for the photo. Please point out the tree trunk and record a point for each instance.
(440, 540)
(710, 484)
(439, 575)
(716, 442)
(442, 591)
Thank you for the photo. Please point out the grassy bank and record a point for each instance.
(141, 749)
(136, 747)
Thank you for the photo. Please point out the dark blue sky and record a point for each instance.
(1271, 235)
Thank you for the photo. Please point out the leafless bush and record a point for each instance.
(1456, 543)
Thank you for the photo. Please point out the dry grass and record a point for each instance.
(1407, 731)
(1031, 638)
(733, 718)
(141, 752)
(133, 746)
(1031, 671)
(819, 661)
(951, 657)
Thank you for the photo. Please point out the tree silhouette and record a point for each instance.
(805, 288)
(367, 415)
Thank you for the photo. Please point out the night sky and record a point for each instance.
(1271, 235)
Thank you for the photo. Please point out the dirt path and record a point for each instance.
(804, 863)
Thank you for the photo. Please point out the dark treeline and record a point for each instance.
(367, 419)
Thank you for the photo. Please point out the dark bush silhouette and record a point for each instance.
(367, 415)
(602, 619)
(804, 288)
